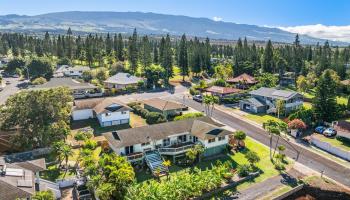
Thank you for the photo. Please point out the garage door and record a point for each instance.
(82, 114)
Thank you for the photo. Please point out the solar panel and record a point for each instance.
(14, 172)
(282, 93)
(215, 132)
(25, 183)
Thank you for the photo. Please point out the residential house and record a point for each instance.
(122, 80)
(243, 81)
(222, 91)
(108, 111)
(167, 108)
(149, 143)
(79, 90)
(74, 72)
(21, 179)
(264, 100)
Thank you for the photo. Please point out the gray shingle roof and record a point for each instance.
(274, 93)
(123, 79)
(100, 105)
(254, 101)
(200, 127)
(163, 105)
(64, 82)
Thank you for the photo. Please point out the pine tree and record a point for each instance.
(155, 54)
(69, 31)
(145, 53)
(325, 104)
(167, 59)
(267, 63)
(133, 51)
(182, 57)
(120, 48)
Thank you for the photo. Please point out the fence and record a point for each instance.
(28, 155)
(294, 190)
(224, 188)
(331, 149)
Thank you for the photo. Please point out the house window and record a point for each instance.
(123, 112)
(166, 142)
(182, 138)
(71, 72)
(129, 150)
(108, 114)
(145, 144)
(80, 71)
(211, 140)
(221, 138)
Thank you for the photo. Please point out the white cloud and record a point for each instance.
(335, 33)
(217, 19)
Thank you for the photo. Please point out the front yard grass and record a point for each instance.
(341, 142)
(261, 118)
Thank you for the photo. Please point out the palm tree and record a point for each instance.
(209, 102)
(66, 152)
(271, 127)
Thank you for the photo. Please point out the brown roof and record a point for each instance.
(243, 78)
(200, 127)
(37, 165)
(223, 90)
(163, 105)
(9, 188)
(345, 82)
(100, 105)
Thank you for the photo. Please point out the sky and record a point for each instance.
(325, 18)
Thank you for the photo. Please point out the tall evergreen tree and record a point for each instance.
(133, 51)
(267, 62)
(325, 104)
(145, 53)
(182, 57)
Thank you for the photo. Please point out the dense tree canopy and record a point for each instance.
(41, 117)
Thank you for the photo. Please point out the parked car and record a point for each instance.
(197, 98)
(330, 132)
(320, 129)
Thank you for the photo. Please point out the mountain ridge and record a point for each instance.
(147, 23)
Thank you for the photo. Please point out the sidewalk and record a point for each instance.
(241, 115)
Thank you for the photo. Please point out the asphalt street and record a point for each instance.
(308, 158)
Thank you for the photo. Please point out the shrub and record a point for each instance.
(188, 115)
(296, 124)
(137, 109)
(279, 165)
(220, 82)
(64, 61)
(144, 112)
(83, 135)
(243, 170)
(155, 118)
(306, 115)
(132, 104)
(90, 144)
(193, 91)
(39, 81)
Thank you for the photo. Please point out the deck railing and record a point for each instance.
(175, 149)
(134, 156)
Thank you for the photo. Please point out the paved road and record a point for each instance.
(10, 89)
(306, 157)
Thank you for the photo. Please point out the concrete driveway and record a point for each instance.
(10, 89)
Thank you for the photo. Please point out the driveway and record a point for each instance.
(10, 89)
(314, 161)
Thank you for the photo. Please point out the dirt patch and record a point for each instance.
(319, 188)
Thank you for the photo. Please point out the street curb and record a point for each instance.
(291, 141)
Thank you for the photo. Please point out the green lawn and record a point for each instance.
(340, 142)
(261, 118)
(342, 100)
(307, 105)
(265, 165)
(53, 173)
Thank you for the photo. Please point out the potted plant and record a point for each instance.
(296, 126)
